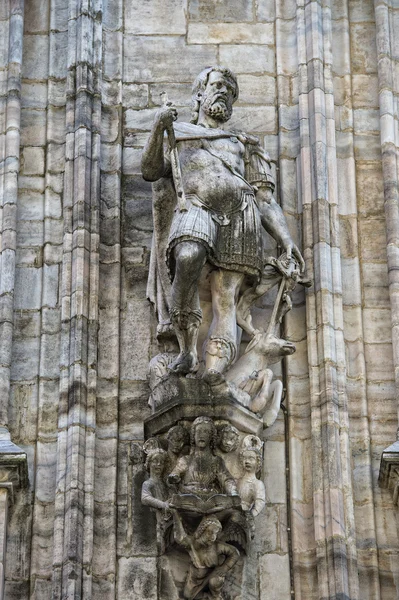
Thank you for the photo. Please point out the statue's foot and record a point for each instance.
(269, 417)
(183, 364)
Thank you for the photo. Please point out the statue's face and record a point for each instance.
(157, 465)
(176, 442)
(249, 462)
(217, 98)
(203, 435)
(228, 441)
(209, 535)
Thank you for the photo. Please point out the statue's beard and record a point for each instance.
(215, 106)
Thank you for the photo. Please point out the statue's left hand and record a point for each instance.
(294, 256)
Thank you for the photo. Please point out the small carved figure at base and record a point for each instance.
(228, 438)
(252, 490)
(154, 492)
(177, 438)
(210, 558)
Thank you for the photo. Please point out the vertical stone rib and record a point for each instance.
(388, 90)
(10, 101)
(104, 564)
(352, 310)
(332, 493)
(73, 529)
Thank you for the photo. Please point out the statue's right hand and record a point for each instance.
(166, 115)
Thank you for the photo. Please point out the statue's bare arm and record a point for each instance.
(153, 164)
(274, 222)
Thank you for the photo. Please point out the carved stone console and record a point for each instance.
(13, 477)
(204, 488)
(389, 471)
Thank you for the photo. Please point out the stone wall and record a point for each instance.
(318, 86)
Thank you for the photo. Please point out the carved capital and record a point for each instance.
(389, 471)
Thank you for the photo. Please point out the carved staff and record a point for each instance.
(174, 159)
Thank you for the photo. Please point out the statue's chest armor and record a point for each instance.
(210, 171)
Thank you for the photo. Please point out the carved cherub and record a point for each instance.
(211, 559)
(154, 492)
(177, 439)
(252, 490)
(229, 438)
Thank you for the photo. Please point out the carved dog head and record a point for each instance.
(270, 347)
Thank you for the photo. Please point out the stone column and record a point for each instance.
(73, 527)
(11, 30)
(337, 575)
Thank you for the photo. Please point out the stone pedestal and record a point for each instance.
(185, 398)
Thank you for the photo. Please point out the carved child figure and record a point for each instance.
(211, 559)
(177, 438)
(228, 438)
(252, 490)
(154, 491)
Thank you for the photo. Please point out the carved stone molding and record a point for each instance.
(389, 471)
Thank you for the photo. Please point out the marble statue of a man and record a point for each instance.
(228, 186)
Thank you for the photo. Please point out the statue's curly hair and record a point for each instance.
(205, 523)
(200, 85)
(209, 421)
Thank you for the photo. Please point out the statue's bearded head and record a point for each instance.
(214, 91)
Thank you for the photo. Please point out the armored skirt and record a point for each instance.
(233, 240)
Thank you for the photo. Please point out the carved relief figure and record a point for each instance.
(228, 441)
(229, 438)
(202, 472)
(154, 492)
(252, 380)
(210, 558)
(251, 490)
(177, 438)
(224, 190)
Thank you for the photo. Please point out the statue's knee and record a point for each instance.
(189, 254)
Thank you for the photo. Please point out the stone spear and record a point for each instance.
(174, 159)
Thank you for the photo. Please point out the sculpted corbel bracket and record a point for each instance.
(203, 485)
(389, 471)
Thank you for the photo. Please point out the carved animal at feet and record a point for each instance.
(251, 381)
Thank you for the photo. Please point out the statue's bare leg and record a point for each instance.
(221, 346)
(185, 310)
(251, 295)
